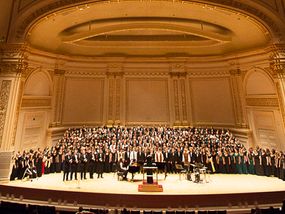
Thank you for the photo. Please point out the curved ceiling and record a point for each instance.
(147, 28)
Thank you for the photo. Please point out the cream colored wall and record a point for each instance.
(263, 110)
(83, 101)
(149, 92)
(117, 95)
(167, 97)
(147, 101)
(212, 101)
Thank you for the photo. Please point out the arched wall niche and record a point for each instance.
(259, 82)
(35, 111)
(38, 84)
(263, 112)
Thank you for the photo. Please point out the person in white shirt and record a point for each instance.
(133, 155)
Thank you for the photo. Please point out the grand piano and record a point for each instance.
(136, 167)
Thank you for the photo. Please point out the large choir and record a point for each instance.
(83, 152)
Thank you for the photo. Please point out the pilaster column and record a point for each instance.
(277, 67)
(238, 97)
(12, 67)
(115, 87)
(59, 81)
(178, 77)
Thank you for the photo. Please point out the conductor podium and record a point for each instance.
(149, 183)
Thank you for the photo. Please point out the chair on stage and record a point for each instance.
(120, 175)
(180, 169)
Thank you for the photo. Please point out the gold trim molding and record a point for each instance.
(268, 102)
(36, 102)
(4, 98)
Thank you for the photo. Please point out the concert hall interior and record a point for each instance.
(142, 106)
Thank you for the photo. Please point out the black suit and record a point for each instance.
(100, 164)
(167, 162)
(91, 164)
(173, 159)
(66, 167)
(74, 166)
(83, 161)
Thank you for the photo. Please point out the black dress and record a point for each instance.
(258, 167)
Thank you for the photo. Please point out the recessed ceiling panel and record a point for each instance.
(154, 28)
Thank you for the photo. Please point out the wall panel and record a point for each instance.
(147, 100)
(83, 102)
(212, 102)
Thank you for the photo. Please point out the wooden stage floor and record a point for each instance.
(217, 184)
(221, 191)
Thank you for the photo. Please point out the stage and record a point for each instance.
(221, 191)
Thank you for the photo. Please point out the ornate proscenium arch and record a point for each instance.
(27, 20)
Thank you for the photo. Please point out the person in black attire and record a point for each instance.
(141, 158)
(66, 165)
(267, 163)
(107, 166)
(114, 160)
(91, 162)
(272, 163)
(282, 167)
(59, 156)
(227, 161)
(54, 160)
(173, 159)
(166, 160)
(149, 172)
(38, 163)
(100, 163)
(74, 165)
(84, 164)
(258, 162)
(179, 156)
(13, 175)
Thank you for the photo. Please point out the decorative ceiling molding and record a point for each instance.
(262, 17)
(26, 22)
(146, 25)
